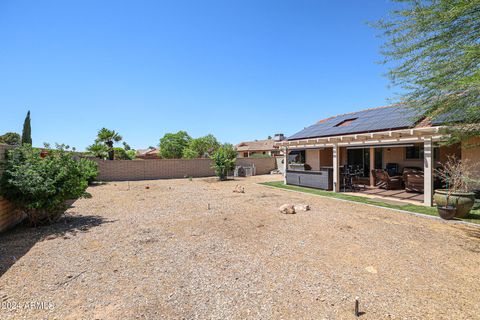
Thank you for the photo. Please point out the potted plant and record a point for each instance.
(458, 198)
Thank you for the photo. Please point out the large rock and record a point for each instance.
(287, 209)
(239, 189)
(302, 207)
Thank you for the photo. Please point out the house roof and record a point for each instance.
(369, 120)
(144, 152)
(258, 145)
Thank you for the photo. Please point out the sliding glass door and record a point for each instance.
(361, 158)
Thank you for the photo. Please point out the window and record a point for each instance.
(296, 156)
(346, 122)
(414, 153)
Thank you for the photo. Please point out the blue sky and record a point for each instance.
(241, 70)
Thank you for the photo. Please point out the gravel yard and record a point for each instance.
(183, 249)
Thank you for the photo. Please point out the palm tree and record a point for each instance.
(108, 138)
(98, 150)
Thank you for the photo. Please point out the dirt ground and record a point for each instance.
(183, 249)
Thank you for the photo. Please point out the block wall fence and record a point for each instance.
(119, 170)
(9, 216)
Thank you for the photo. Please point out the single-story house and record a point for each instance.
(266, 147)
(392, 147)
(146, 154)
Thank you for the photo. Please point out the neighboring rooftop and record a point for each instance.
(147, 152)
(261, 145)
(258, 145)
(369, 120)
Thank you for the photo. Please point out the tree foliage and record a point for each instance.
(202, 147)
(434, 51)
(11, 138)
(27, 130)
(224, 160)
(123, 154)
(172, 145)
(40, 183)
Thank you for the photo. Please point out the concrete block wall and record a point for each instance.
(119, 170)
(262, 165)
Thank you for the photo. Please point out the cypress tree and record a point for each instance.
(27, 130)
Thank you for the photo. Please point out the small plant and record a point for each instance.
(460, 178)
(40, 183)
(224, 161)
(459, 175)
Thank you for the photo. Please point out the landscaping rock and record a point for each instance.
(302, 207)
(287, 209)
(239, 189)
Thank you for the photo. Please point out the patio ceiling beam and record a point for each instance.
(373, 137)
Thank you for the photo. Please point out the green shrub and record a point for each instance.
(11, 138)
(224, 161)
(89, 170)
(39, 183)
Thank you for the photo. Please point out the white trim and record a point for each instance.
(428, 172)
(390, 136)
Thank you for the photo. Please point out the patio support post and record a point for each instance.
(285, 164)
(336, 168)
(428, 171)
(372, 166)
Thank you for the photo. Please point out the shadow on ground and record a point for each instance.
(18, 241)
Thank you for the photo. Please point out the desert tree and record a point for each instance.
(433, 51)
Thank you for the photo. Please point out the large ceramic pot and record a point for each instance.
(463, 201)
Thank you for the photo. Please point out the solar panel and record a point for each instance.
(385, 118)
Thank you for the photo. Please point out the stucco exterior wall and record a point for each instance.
(471, 152)
(312, 158)
(398, 155)
(326, 157)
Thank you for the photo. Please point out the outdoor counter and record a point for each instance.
(320, 179)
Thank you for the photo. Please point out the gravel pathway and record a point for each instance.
(180, 249)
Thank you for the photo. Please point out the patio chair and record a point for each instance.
(414, 181)
(385, 181)
(377, 177)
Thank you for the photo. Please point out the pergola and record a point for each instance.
(426, 135)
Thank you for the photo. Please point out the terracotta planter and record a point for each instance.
(463, 201)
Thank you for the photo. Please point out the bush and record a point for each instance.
(89, 170)
(11, 138)
(40, 183)
(224, 161)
